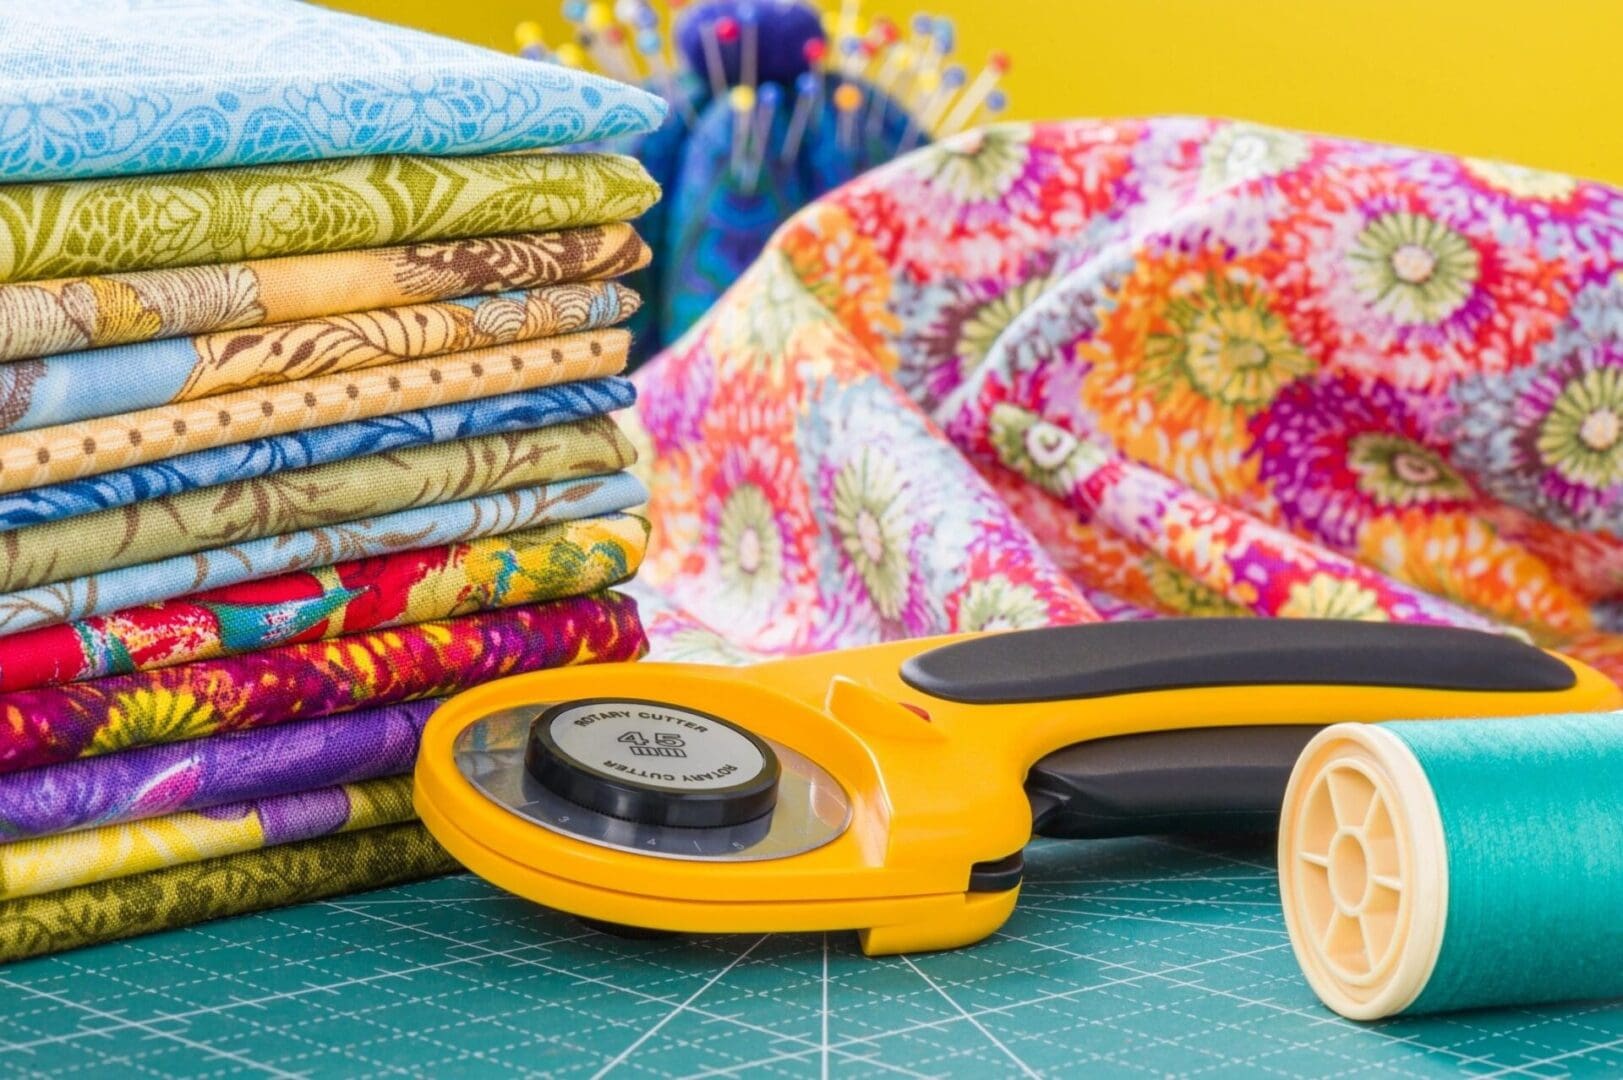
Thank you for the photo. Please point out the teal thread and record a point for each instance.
(1532, 811)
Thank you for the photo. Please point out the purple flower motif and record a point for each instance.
(1549, 438)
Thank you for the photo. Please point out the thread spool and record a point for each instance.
(1430, 866)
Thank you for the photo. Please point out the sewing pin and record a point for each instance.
(978, 93)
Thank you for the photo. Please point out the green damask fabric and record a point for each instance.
(68, 228)
(288, 502)
(215, 888)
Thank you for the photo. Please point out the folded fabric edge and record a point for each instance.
(48, 864)
(364, 487)
(489, 515)
(216, 770)
(76, 313)
(36, 659)
(219, 888)
(95, 384)
(254, 458)
(618, 189)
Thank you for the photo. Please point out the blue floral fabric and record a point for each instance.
(124, 87)
(408, 530)
(243, 461)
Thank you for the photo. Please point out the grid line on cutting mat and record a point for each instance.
(1125, 958)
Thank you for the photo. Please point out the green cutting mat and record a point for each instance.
(1125, 958)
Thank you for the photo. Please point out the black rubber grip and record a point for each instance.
(1097, 659)
(1196, 780)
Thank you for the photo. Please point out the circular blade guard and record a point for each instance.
(812, 809)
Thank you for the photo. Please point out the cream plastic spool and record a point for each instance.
(1363, 871)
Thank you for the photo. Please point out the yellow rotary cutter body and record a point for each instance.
(909, 776)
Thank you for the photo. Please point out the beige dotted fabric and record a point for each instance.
(69, 451)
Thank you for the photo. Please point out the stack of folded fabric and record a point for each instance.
(304, 425)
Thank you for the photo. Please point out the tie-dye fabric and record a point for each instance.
(315, 446)
(120, 87)
(104, 382)
(79, 227)
(49, 317)
(1040, 372)
(34, 867)
(290, 502)
(489, 515)
(274, 686)
(236, 766)
(69, 451)
(215, 888)
(566, 559)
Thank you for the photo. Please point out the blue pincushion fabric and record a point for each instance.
(98, 88)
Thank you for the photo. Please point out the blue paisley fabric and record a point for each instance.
(522, 411)
(93, 88)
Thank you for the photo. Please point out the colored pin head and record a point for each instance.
(741, 98)
(781, 33)
(528, 34)
(575, 10)
(571, 55)
(848, 98)
(998, 62)
(953, 77)
(997, 101)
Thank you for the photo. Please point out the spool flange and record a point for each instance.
(1363, 871)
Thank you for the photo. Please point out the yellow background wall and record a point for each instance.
(1539, 82)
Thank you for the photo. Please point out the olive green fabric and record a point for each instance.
(67, 228)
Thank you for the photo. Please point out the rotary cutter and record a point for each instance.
(890, 789)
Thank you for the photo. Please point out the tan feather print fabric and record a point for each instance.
(69, 314)
(236, 360)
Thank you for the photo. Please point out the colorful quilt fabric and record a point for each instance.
(215, 888)
(566, 559)
(431, 526)
(273, 686)
(121, 87)
(68, 314)
(79, 227)
(103, 382)
(69, 451)
(199, 774)
(1169, 366)
(289, 502)
(33, 867)
(522, 411)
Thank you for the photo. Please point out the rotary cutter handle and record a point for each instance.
(890, 789)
